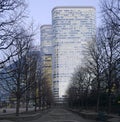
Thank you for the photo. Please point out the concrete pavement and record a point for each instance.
(12, 110)
(53, 115)
(8, 117)
(114, 120)
(61, 115)
(93, 115)
(5, 121)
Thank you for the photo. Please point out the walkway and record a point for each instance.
(12, 110)
(61, 115)
(52, 115)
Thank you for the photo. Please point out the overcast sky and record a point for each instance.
(40, 10)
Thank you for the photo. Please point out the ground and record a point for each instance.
(51, 115)
(61, 115)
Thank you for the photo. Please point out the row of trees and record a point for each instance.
(21, 72)
(99, 81)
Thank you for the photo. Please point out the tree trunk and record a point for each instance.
(39, 102)
(109, 101)
(86, 99)
(109, 86)
(27, 99)
(39, 90)
(98, 92)
(27, 103)
(98, 102)
(35, 104)
(17, 106)
(35, 97)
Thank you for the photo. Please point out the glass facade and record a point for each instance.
(73, 29)
(46, 50)
(46, 39)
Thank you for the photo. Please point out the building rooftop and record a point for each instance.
(44, 26)
(59, 7)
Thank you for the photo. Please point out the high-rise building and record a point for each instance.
(64, 43)
(73, 29)
(46, 50)
(46, 39)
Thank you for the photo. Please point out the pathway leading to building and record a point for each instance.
(61, 115)
(53, 115)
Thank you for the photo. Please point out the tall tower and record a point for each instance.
(46, 50)
(73, 30)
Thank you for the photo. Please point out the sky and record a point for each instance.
(40, 10)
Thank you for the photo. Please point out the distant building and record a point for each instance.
(72, 29)
(46, 50)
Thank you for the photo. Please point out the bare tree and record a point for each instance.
(95, 65)
(110, 47)
(80, 86)
(15, 72)
(12, 13)
(47, 92)
(39, 76)
(42, 95)
(30, 74)
(110, 39)
(110, 10)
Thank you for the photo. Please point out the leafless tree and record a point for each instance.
(12, 13)
(95, 65)
(47, 92)
(80, 86)
(15, 71)
(110, 10)
(43, 92)
(110, 39)
(110, 48)
(30, 74)
(39, 76)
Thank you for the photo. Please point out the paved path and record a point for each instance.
(61, 115)
(12, 110)
(5, 121)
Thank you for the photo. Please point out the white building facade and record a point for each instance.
(46, 39)
(46, 51)
(73, 29)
